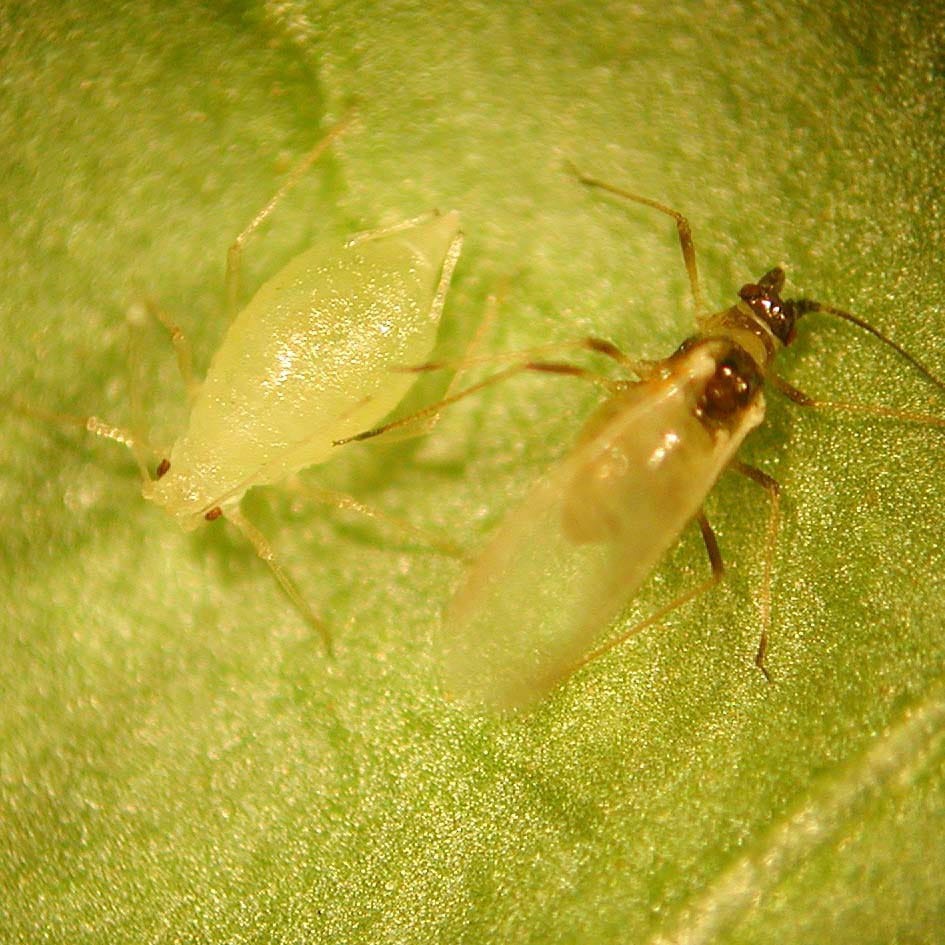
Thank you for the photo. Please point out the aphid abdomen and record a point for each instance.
(308, 361)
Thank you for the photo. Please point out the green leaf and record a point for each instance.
(178, 759)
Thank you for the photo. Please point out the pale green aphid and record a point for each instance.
(310, 360)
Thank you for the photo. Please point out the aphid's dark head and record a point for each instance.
(764, 299)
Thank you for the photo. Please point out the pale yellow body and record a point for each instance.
(308, 361)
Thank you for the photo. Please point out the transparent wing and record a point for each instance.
(563, 564)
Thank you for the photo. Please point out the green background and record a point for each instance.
(178, 760)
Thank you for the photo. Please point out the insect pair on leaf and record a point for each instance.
(328, 347)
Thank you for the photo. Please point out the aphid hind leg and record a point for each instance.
(235, 252)
(420, 426)
(718, 572)
(876, 410)
(348, 503)
(426, 423)
(773, 488)
(494, 302)
(265, 551)
(683, 229)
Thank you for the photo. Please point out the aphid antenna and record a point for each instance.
(134, 442)
(805, 306)
(519, 364)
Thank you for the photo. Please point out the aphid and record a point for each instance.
(563, 564)
(304, 363)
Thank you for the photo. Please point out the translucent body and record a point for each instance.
(563, 564)
(307, 362)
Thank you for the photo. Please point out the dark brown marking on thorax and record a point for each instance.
(730, 391)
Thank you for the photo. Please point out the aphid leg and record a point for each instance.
(876, 410)
(718, 572)
(234, 255)
(773, 488)
(259, 541)
(589, 343)
(424, 425)
(348, 503)
(682, 228)
(139, 425)
(494, 302)
(379, 233)
(182, 352)
(546, 367)
(521, 360)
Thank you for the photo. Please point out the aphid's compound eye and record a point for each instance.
(763, 302)
(162, 469)
(730, 390)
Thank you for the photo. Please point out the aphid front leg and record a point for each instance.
(265, 551)
(683, 229)
(235, 253)
(773, 488)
